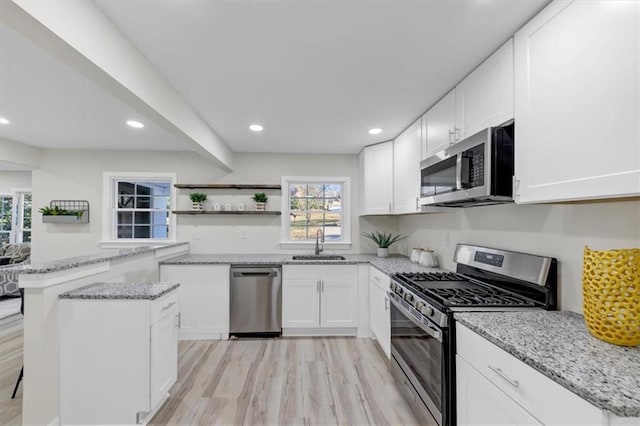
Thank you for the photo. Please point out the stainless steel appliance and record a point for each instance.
(256, 301)
(422, 306)
(475, 171)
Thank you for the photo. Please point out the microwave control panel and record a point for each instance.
(472, 174)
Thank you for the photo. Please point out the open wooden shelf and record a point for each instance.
(224, 186)
(237, 212)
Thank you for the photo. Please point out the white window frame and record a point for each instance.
(109, 225)
(13, 201)
(345, 243)
(17, 229)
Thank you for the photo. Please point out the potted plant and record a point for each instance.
(261, 201)
(197, 200)
(57, 215)
(383, 241)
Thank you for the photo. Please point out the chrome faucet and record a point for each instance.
(318, 248)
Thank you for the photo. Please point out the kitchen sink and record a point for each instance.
(318, 257)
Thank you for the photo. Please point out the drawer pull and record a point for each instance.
(504, 377)
(164, 308)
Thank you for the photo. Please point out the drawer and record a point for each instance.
(379, 278)
(164, 306)
(545, 399)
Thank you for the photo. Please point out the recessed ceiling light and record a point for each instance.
(135, 124)
(375, 131)
(256, 128)
(4, 120)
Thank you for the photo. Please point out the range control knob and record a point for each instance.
(409, 297)
(418, 305)
(426, 310)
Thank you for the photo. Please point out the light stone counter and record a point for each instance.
(389, 265)
(558, 345)
(120, 291)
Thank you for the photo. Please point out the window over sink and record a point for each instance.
(313, 204)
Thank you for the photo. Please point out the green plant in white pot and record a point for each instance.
(261, 201)
(383, 241)
(197, 200)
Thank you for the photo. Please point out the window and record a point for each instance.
(6, 204)
(22, 221)
(312, 204)
(15, 217)
(139, 207)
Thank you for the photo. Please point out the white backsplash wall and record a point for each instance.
(77, 174)
(557, 230)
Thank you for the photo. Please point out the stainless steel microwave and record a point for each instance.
(475, 171)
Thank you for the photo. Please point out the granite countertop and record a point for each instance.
(121, 291)
(558, 345)
(389, 265)
(75, 262)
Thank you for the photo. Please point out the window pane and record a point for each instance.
(315, 190)
(160, 218)
(142, 231)
(161, 203)
(142, 218)
(5, 213)
(144, 189)
(160, 232)
(125, 231)
(298, 190)
(4, 237)
(143, 203)
(162, 189)
(298, 232)
(26, 236)
(125, 218)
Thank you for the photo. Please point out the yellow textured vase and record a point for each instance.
(611, 294)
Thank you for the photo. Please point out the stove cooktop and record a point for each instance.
(453, 290)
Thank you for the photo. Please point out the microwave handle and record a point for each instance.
(465, 171)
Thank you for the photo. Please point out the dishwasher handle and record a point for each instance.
(254, 272)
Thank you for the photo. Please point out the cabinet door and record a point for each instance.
(204, 299)
(380, 317)
(377, 185)
(339, 296)
(577, 87)
(485, 97)
(479, 402)
(163, 358)
(441, 123)
(406, 169)
(301, 302)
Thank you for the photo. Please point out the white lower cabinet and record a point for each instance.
(118, 358)
(324, 297)
(494, 387)
(380, 309)
(204, 299)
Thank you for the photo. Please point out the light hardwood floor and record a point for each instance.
(257, 382)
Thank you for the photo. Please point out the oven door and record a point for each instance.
(420, 349)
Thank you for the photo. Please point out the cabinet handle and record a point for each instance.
(503, 376)
(451, 133)
(179, 318)
(386, 303)
(322, 285)
(318, 286)
(168, 306)
(390, 207)
(457, 133)
(417, 203)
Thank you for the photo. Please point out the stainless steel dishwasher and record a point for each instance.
(256, 300)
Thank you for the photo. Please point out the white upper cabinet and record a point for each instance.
(406, 169)
(440, 125)
(376, 183)
(485, 98)
(577, 93)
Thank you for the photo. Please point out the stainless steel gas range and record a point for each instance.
(422, 332)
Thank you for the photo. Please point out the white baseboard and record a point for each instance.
(202, 335)
(319, 332)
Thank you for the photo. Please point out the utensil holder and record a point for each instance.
(611, 295)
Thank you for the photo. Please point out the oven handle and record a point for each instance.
(433, 332)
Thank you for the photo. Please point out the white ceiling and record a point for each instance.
(316, 74)
(52, 106)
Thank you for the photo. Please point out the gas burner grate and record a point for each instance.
(478, 297)
(433, 276)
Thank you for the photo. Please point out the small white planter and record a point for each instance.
(65, 219)
(197, 206)
(261, 206)
(383, 252)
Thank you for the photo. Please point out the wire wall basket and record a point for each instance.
(67, 211)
